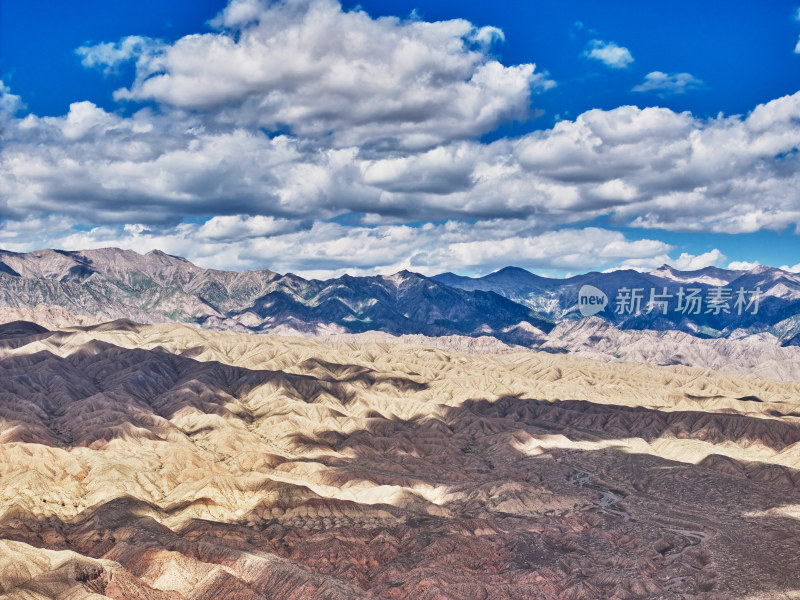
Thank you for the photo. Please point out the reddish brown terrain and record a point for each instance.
(165, 462)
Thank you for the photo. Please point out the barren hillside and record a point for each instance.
(166, 462)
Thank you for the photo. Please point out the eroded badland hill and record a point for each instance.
(167, 462)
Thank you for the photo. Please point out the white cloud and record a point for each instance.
(742, 265)
(331, 249)
(668, 83)
(109, 56)
(646, 167)
(650, 167)
(797, 46)
(10, 103)
(85, 118)
(685, 262)
(237, 13)
(581, 249)
(488, 35)
(609, 53)
(340, 76)
(691, 262)
(235, 228)
(794, 269)
(98, 167)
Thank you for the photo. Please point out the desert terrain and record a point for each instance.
(168, 462)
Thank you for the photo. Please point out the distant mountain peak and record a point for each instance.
(665, 268)
(512, 270)
(762, 269)
(711, 275)
(402, 277)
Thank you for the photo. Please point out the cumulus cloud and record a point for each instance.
(331, 249)
(570, 249)
(609, 53)
(685, 262)
(10, 103)
(794, 269)
(797, 46)
(341, 76)
(109, 56)
(690, 262)
(649, 168)
(236, 228)
(99, 167)
(206, 148)
(668, 83)
(743, 265)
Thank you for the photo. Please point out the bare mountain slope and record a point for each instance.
(109, 283)
(557, 299)
(514, 306)
(162, 461)
(759, 354)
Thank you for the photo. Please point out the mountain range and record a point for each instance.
(777, 309)
(110, 283)
(512, 304)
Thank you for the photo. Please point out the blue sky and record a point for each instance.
(725, 44)
(366, 137)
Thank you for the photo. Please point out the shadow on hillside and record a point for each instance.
(422, 541)
(96, 391)
(487, 458)
(480, 446)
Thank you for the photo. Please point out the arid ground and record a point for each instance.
(166, 462)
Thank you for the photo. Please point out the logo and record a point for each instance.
(591, 300)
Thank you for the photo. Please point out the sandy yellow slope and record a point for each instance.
(168, 462)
